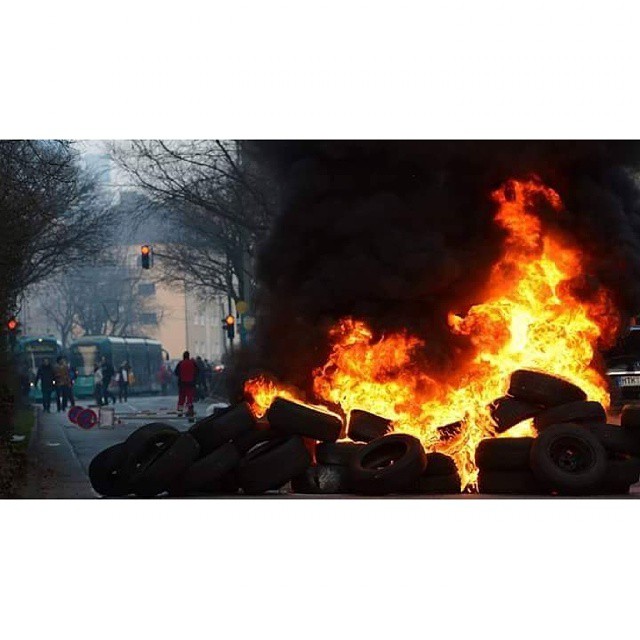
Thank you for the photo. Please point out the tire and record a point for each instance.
(387, 465)
(569, 459)
(436, 485)
(106, 472)
(272, 464)
(543, 389)
(213, 431)
(297, 419)
(144, 445)
(439, 464)
(165, 469)
(615, 439)
(365, 426)
(250, 439)
(504, 454)
(507, 412)
(206, 474)
(575, 412)
(322, 479)
(630, 418)
(622, 473)
(337, 453)
(510, 483)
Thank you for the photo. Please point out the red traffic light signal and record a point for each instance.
(12, 324)
(230, 325)
(145, 256)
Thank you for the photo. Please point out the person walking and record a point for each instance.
(107, 374)
(97, 384)
(187, 373)
(62, 378)
(123, 381)
(45, 376)
(200, 380)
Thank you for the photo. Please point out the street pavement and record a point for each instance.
(60, 452)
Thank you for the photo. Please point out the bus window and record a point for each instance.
(84, 357)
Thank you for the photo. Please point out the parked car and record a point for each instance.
(623, 368)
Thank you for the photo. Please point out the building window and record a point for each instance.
(147, 288)
(148, 318)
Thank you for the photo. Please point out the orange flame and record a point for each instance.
(531, 317)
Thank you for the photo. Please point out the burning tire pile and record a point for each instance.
(299, 447)
(575, 452)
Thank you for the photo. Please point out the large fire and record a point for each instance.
(530, 318)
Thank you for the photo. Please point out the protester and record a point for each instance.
(97, 384)
(45, 376)
(62, 378)
(187, 373)
(107, 374)
(122, 377)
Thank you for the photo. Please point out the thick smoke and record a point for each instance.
(398, 233)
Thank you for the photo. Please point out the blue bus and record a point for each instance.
(30, 352)
(144, 355)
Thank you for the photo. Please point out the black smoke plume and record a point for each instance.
(398, 233)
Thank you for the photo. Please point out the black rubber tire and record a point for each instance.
(213, 431)
(504, 454)
(630, 418)
(435, 485)
(510, 483)
(622, 473)
(365, 426)
(387, 465)
(322, 479)
(439, 464)
(507, 412)
(576, 412)
(165, 470)
(615, 439)
(106, 472)
(337, 453)
(144, 445)
(250, 439)
(272, 464)
(297, 419)
(569, 459)
(139, 440)
(543, 389)
(206, 474)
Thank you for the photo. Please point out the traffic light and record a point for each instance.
(145, 256)
(12, 324)
(230, 325)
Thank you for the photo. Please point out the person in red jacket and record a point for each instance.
(187, 372)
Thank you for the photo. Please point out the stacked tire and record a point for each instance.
(575, 452)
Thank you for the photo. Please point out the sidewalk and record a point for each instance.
(54, 470)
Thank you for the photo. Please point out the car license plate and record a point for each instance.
(629, 381)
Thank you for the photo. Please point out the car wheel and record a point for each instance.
(575, 412)
(569, 459)
(297, 419)
(387, 465)
(504, 454)
(543, 389)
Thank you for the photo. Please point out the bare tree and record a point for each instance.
(220, 203)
